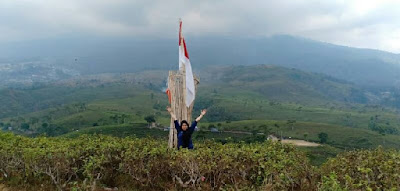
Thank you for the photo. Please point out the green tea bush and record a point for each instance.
(89, 162)
(377, 169)
(92, 162)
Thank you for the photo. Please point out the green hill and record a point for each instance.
(285, 85)
(264, 99)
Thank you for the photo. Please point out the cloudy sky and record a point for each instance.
(358, 23)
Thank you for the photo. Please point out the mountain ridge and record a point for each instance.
(366, 67)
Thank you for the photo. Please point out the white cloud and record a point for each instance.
(368, 24)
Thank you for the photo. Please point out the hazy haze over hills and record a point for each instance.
(94, 55)
(91, 37)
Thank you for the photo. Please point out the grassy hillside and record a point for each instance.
(255, 99)
(283, 84)
(338, 136)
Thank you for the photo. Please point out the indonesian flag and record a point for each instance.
(184, 65)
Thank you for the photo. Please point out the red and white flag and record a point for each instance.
(184, 64)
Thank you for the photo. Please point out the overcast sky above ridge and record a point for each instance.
(371, 24)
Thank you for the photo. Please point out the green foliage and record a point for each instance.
(89, 161)
(80, 106)
(25, 126)
(323, 137)
(305, 135)
(377, 169)
(150, 118)
(338, 136)
(381, 128)
(330, 183)
(319, 155)
(51, 130)
(139, 130)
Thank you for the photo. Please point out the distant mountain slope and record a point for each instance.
(90, 55)
(283, 84)
(361, 66)
(264, 81)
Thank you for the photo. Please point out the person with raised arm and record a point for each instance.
(184, 131)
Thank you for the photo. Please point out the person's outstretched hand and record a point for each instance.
(203, 112)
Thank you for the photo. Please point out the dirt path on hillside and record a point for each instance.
(296, 142)
(301, 143)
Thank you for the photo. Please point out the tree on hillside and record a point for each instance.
(118, 119)
(53, 130)
(219, 126)
(150, 119)
(291, 123)
(254, 132)
(265, 129)
(34, 122)
(323, 137)
(305, 136)
(123, 118)
(114, 118)
(45, 125)
(25, 126)
(3, 126)
(210, 126)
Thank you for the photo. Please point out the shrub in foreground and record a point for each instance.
(377, 169)
(91, 162)
(88, 162)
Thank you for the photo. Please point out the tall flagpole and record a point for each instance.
(177, 90)
(183, 69)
